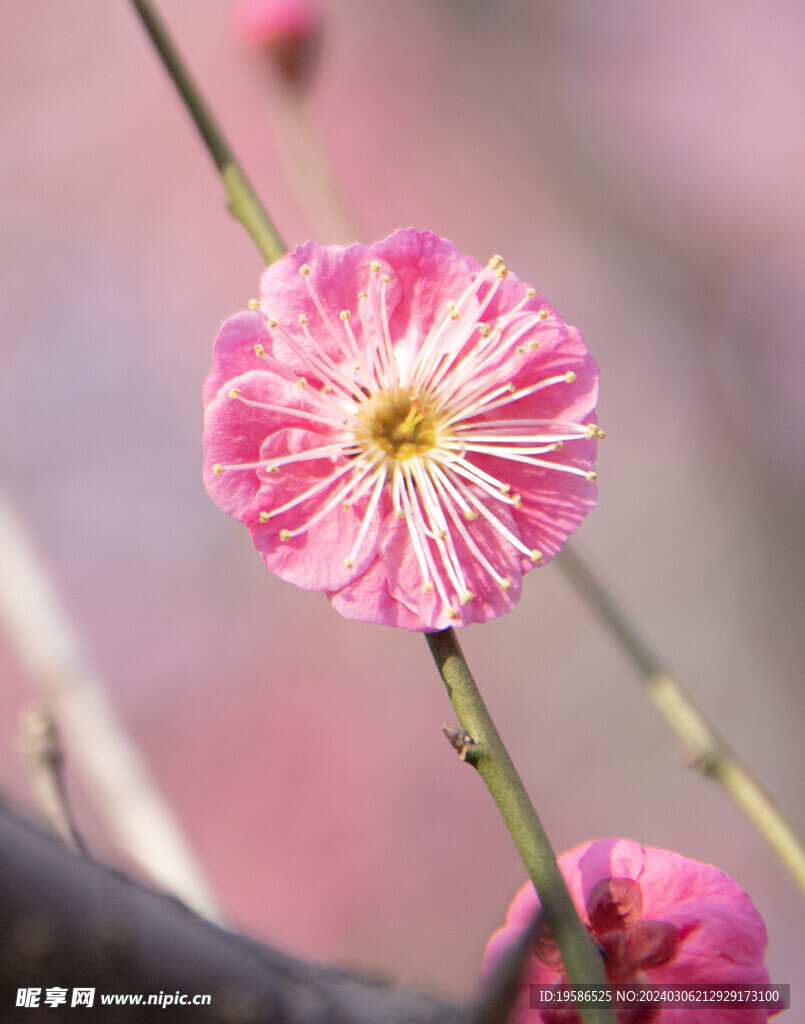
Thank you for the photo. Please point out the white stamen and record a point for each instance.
(349, 561)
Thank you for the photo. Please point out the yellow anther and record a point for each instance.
(511, 388)
(452, 613)
(301, 382)
(264, 517)
(272, 321)
(521, 350)
(375, 266)
(259, 351)
(254, 303)
(304, 270)
(592, 475)
(385, 279)
(362, 295)
(599, 433)
(531, 293)
(454, 313)
(285, 534)
(484, 329)
(234, 393)
(466, 597)
(302, 318)
(502, 270)
(470, 516)
(533, 345)
(399, 514)
(505, 583)
(326, 389)
(517, 500)
(345, 314)
(505, 488)
(570, 376)
(427, 586)
(495, 261)
(543, 314)
(348, 563)
(217, 469)
(272, 469)
(536, 556)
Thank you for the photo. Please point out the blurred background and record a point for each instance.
(641, 163)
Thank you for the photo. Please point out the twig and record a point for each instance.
(308, 168)
(42, 758)
(487, 754)
(45, 643)
(244, 204)
(503, 987)
(705, 748)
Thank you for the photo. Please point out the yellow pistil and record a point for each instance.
(396, 423)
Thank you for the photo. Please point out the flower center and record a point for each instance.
(630, 945)
(395, 422)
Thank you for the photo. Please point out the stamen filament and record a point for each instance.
(494, 487)
(329, 505)
(349, 561)
(444, 538)
(344, 448)
(493, 520)
(485, 403)
(430, 354)
(514, 456)
(393, 364)
(288, 411)
(442, 485)
(335, 334)
(385, 354)
(300, 498)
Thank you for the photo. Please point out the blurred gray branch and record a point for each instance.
(68, 921)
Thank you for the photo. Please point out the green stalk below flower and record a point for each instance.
(487, 754)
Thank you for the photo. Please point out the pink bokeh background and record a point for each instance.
(641, 164)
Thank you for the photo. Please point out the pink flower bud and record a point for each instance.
(287, 31)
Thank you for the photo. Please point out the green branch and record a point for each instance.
(243, 202)
(705, 749)
(485, 751)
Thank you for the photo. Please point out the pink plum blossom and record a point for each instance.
(402, 428)
(659, 918)
(288, 31)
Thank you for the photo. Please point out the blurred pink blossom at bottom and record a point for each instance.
(659, 918)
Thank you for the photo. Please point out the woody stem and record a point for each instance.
(489, 757)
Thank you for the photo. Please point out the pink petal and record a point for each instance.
(314, 559)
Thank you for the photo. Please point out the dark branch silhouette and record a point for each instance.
(68, 921)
